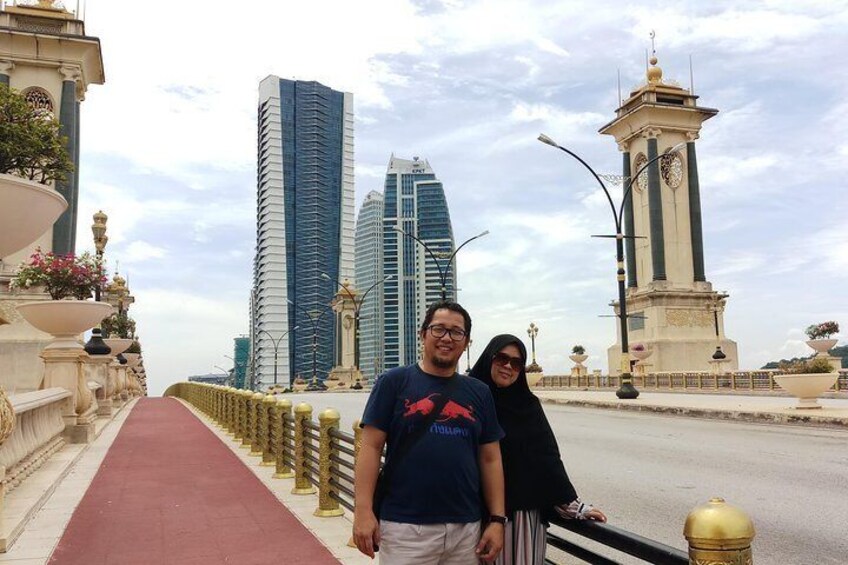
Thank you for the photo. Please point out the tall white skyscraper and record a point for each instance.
(305, 225)
(414, 201)
(369, 272)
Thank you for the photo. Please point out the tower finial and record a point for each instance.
(654, 72)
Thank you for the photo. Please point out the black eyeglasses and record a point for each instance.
(517, 363)
(440, 331)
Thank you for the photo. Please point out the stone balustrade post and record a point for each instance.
(328, 506)
(719, 534)
(302, 442)
(229, 411)
(281, 427)
(241, 409)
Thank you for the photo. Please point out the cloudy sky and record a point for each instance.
(169, 147)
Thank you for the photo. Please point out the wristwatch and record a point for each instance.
(499, 519)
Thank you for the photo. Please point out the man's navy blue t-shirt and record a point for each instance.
(438, 481)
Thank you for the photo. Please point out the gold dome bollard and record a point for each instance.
(281, 426)
(719, 534)
(328, 506)
(302, 442)
(265, 443)
(256, 404)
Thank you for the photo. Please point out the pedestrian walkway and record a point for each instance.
(736, 407)
(169, 492)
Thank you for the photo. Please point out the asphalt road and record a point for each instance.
(647, 472)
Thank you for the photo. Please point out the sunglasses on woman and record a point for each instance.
(516, 363)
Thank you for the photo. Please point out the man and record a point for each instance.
(431, 512)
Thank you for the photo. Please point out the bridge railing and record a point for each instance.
(743, 381)
(321, 458)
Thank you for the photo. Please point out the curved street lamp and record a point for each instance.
(626, 390)
(356, 307)
(276, 343)
(442, 273)
(314, 318)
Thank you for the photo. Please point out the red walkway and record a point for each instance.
(169, 492)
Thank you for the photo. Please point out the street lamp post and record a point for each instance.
(98, 230)
(356, 307)
(442, 273)
(225, 371)
(532, 332)
(276, 343)
(315, 319)
(626, 390)
(468, 355)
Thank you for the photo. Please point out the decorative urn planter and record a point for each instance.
(578, 358)
(27, 210)
(641, 355)
(822, 346)
(132, 359)
(65, 320)
(807, 387)
(118, 345)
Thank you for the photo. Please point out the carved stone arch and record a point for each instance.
(642, 180)
(40, 99)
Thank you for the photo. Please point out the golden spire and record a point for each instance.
(654, 73)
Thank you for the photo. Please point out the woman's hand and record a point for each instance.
(595, 514)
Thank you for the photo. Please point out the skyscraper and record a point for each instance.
(369, 271)
(304, 224)
(414, 202)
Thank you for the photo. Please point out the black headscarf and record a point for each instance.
(534, 474)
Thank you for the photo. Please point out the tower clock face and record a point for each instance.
(671, 169)
(642, 179)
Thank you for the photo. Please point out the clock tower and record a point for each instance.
(672, 308)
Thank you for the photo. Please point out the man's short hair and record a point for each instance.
(446, 305)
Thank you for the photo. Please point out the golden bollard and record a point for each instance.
(283, 470)
(719, 534)
(328, 506)
(268, 403)
(256, 404)
(302, 414)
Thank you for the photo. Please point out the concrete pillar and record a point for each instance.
(655, 210)
(695, 223)
(630, 243)
(64, 235)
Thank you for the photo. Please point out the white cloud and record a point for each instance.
(140, 251)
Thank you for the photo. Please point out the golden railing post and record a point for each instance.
(283, 470)
(244, 399)
(357, 443)
(229, 411)
(268, 404)
(719, 534)
(328, 506)
(256, 403)
(302, 414)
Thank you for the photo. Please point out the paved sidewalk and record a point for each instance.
(168, 492)
(736, 407)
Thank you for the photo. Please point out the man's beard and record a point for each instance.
(442, 363)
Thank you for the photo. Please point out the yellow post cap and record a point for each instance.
(718, 525)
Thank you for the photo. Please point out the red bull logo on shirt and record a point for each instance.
(451, 412)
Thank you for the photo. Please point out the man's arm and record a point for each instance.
(366, 529)
(491, 476)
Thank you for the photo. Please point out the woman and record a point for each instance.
(536, 482)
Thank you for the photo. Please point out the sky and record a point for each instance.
(169, 153)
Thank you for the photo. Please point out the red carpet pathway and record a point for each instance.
(169, 492)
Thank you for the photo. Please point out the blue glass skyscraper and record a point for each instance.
(414, 201)
(305, 226)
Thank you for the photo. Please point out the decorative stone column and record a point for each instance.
(96, 369)
(65, 367)
(695, 223)
(629, 222)
(6, 67)
(655, 210)
(64, 238)
(346, 372)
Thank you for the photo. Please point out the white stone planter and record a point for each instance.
(132, 359)
(822, 346)
(641, 355)
(118, 345)
(27, 210)
(65, 320)
(807, 387)
(578, 358)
